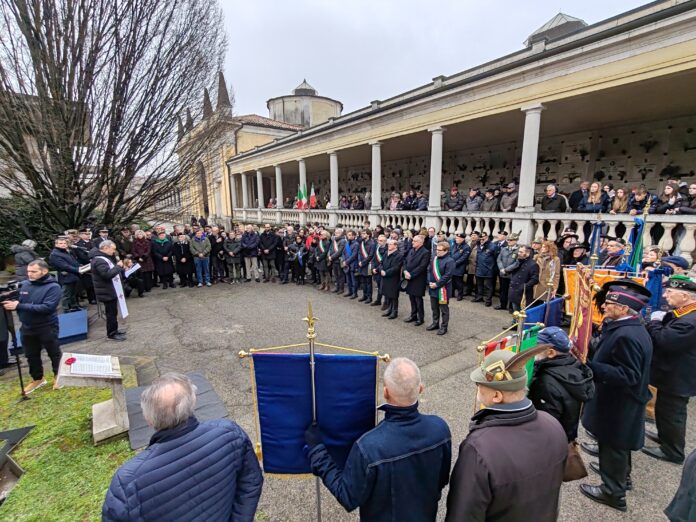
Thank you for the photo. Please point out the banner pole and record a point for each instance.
(311, 336)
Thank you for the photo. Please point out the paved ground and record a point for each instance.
(204, 329)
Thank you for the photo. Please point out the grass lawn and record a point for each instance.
(66, 476)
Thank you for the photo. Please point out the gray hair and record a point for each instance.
(29, 243)
(391, 240)
(106, 244)
(168, 401)
(403, 380)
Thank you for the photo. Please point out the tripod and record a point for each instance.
(16, 351)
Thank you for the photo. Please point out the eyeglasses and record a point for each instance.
(441, 250)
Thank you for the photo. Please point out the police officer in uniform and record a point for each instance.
(673, 368)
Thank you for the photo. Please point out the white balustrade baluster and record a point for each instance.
(666, 242)
(688, 244)
(552, 236)
(460, 226)
(469, 226)
(647, 237)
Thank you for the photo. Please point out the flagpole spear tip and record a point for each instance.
(242, 354)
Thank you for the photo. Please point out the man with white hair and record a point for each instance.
(672, 368)
(107, 277)
(191, 470)
(397, 470)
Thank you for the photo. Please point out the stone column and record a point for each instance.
(436, 141)
(233, 189)
(279, 186)
(303, 186)
(245, 191)
(333, 176)
(259, 188)
(530, 151)
(273, 188)
(376, 194)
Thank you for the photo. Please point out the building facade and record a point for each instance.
(611, 101)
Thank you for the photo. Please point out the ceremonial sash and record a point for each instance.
(118, 288)
(442, 291)
(335, 246)
(322, 247)
(681, 312)
(379, 256)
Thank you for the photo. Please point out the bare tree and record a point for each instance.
(90, 95)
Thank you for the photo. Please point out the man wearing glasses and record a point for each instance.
(440, 287)
(553, 201)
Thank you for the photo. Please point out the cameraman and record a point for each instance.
(39, 297)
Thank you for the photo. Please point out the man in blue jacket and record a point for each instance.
(38, 302)
(191, 470)
(486, 259)
(397, 470)
(460, 254)
(440, 286)
(68, 269)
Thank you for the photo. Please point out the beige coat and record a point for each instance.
(547, 266)
(471, 269)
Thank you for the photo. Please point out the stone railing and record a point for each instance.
(671, 233)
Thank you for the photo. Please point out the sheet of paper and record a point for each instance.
(132, 269)
(84, 269)
(91, 365)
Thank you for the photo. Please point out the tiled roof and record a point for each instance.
(260, 121)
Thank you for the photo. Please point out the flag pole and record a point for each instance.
(311, 336)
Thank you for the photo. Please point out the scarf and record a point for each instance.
(442, 297)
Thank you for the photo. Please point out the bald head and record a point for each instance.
(402, 382)
(168, 401)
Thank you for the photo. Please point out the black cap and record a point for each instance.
(625, 292)
(460, 234)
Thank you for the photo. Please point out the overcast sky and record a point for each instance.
(357, 51)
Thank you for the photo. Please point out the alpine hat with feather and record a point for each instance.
(504, 370)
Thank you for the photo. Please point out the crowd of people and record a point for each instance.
(677, 197)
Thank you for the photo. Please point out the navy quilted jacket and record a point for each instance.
(196, 471)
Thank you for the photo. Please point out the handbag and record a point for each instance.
(574, 466)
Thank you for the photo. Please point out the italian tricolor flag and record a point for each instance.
(302, 197)
(312, 199)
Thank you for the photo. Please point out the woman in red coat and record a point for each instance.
(141, 255)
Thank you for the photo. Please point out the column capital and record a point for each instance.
(332, 153)
(532, 108)
(437, 130)
(375, 143)
(276, 166)
(300, 160)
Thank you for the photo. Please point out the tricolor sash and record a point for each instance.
(322, 247)
(335, 246)
(363, 250)
(379, 256)
(442, 296)
(118, 288)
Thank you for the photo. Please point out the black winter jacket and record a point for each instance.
(674, 353)
(102, 277)
(560, 387)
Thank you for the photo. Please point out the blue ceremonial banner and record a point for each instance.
(537, 314)
(346, 405)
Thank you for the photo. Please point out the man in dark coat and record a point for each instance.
(486, 259)
(366, 253)
(460, 255)
(349, 262)
(68, 270)
(510, 466)
(191, 470)
(397, 470)
(507, 262)
(162, 250)
(338, 245)
(36, 307)
(454, 201)
(440, 287)
(553, 201)
(615, 252)
(216, 261)
(561, 384)
(380, 252)
(523, 278)
(250, 252)
(103, 235)
(673, 368)
(104, 269)
(267, 246)
(577, 196)
(416, 273)
(621, 368)
(390, 271)
(81, 251)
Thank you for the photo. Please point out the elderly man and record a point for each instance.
(673, 368)
(553, 201)
(37, 305)
(416, 273)
(191, 470)
(494, 478)
(621, 368)
(678, 264)
(397, 470)
(507, 262)
(250, 253)
(523, 278)
(107, 280)
(615, 252)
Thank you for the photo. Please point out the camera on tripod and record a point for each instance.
(9, 291)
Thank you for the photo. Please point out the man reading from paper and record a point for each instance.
(108, 287)
(397, 470)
